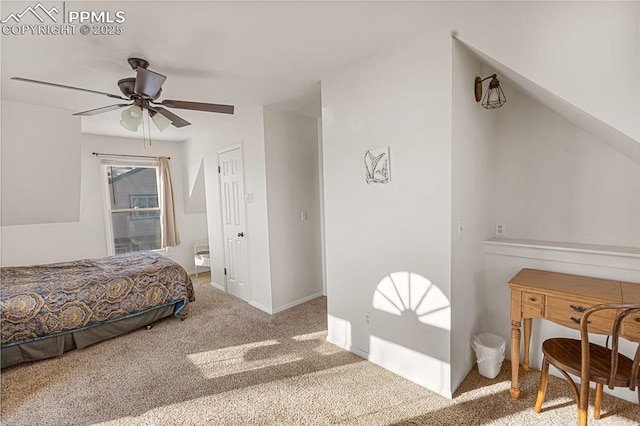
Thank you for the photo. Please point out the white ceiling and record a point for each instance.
(242, 53)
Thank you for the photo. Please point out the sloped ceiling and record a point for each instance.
(617, 140)
(196, 200)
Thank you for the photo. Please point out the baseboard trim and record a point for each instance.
(418, 380)
(217, 286)
(352, 349)
(261, 307)
(297, 302)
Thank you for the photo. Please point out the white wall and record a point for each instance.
(555, 182)
(378, 102)
(402, 99)
(321, 197)
(473, 132)
(588, 53)
(86, 238)
(40, 164)
(547, 179)
(245, 127)
(291, 153)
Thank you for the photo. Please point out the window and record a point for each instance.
(133, 213)
(140, 202)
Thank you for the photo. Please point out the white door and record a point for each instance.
(232, 203)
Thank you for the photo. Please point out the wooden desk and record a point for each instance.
(562, 298)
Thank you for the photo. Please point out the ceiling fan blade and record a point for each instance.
(102, 109)
(175, 120)
(28, 80)
(148, 83)
(198, 106)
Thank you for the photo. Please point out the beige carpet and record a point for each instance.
(230, 364)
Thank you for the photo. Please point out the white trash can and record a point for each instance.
(489, 350)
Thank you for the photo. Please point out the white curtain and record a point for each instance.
(170, 235)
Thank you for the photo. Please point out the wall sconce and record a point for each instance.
(494, 98)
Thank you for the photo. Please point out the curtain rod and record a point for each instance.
(124, 155)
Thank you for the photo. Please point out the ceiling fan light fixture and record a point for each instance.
(160, 121)
(131, 118)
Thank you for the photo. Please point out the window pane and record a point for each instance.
(138, 201)
(132, 187)
(134, 233)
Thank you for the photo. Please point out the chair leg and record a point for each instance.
(583, 403)
(572, 384)
(542, 389)
(598, 402)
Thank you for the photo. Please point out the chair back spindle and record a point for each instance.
(623, 311)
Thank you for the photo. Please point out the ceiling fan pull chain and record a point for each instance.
(149, 126)
(144, 133)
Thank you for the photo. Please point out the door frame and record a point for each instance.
(238, 146)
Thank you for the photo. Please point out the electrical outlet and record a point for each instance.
(501, 229)
(367, 318)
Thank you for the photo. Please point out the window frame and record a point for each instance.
(108, 211)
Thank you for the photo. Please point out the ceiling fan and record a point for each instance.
(142, 92)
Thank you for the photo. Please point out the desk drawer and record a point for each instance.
(631, 327)
(571, 319)
(532, 305)
(577, 307)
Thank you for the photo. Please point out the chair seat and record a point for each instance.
(202, 259)
(566, 354)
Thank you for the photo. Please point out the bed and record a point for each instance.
(49, 309)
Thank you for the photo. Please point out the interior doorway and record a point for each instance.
(230, 170)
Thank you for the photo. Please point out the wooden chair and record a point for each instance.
(592, 362)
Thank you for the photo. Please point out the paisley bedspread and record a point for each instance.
(46, 300)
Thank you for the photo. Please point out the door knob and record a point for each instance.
(240, 234)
